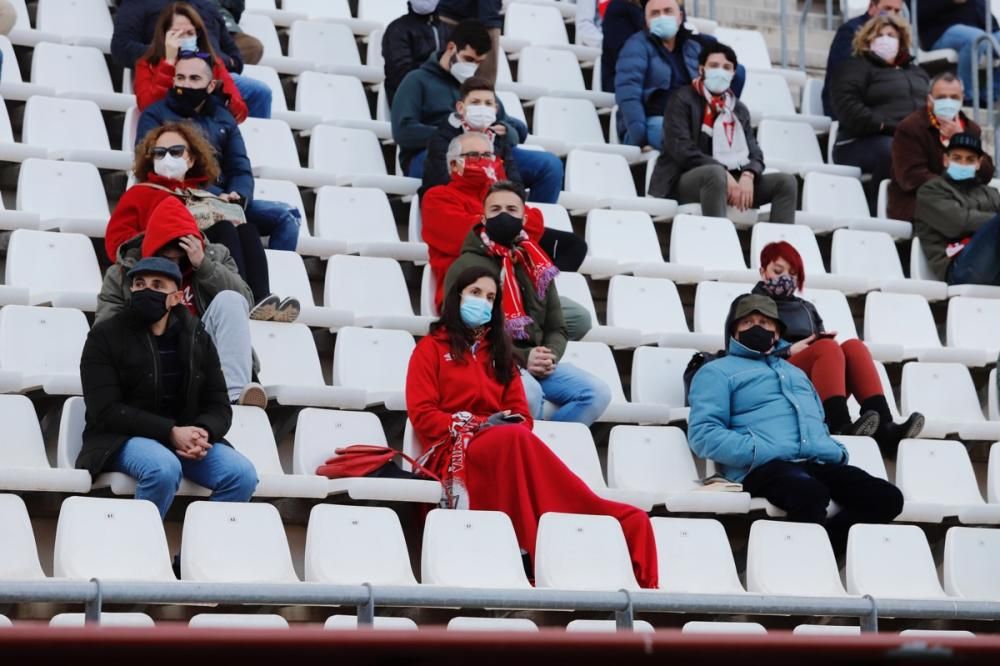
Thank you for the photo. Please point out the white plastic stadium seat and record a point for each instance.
(237, 621)
(471, 549)
(332, 11)
(723, 628)
(906, 319)
(351, 545)
(891, 561)
(971, 559)
(24, 465)
(84, 22)
(920, 269)
(751, 49)
(603, 180)
(288, 277)
(40, 349)
(235, 542)
(694, 556)
(491, 624)
(58, 269)
(945, 395)
(791, 559)
(658, 378)
(5, 622)
(12, 86)
(116, 539)
(768, 97)
(937, 633)
(830, 202)
(77, 72)
(623, 241)
(608, 626)
(993, 473)
(562, 124)
(574, 445)
(72, 130)
(938, 474)
(628, 306)
(558, 73)
(657, 461)
(262, 27)
(350, 622)
(297, 120)
(10, 150)
(251, 435)
(338, 99)
(330, 48)
(18, 552)
(373, 289)
(133, 620)
(355, 156)
(872, 256)
(271, 149)
(803, 240)
(562, 537)
(826, 629)
(792, 147)
(970, 323)
(359, 220)
(711, 244)
(574, 287)
(711, 306)
(382, 12)
(320, 432)
(82, 205)
(527, 24)
(374, 361)
(290, 369)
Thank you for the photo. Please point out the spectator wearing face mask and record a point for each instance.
(450, 211)
(837, 370)
(873, 92)
(840, 49)
(428, 95)
(958, 218)
(920, 141)
(652, 65)
(487, 13)
(409, 41)
(532, 310)
(710, 154)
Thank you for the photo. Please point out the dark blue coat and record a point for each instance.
(221, 130)
(840, 50)
(485, 11)
(622, 19)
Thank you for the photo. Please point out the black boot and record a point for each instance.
(890, 434)
(838, 419)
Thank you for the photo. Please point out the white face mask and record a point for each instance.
(462, 70)
(174, 168)
(886, 47)
(423, 6)
(480, 116)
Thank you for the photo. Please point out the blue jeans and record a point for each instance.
(654, 133)
(277, 220)
(542, 172)
(256, 94)
(960, 38)
(581, 396)
(979, 262)
(158, 471)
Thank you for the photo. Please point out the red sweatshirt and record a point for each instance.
(448, 213)
(437, 387)
(169, 221)
(153, 81)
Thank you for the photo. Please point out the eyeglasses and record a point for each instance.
(473, 156)
(160, 152)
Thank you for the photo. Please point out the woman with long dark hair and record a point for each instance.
(466, 401)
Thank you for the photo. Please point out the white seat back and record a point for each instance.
(24, 447)
(768, 94)
(711, 305)
(936, 471)
(332, 96)
(59, 123)
(574, 444)
(750, 47)
(52, 262)
(366, 286)
(869, 254)
(70, 68)
(287, 354)
(535, 24)
(694, 556)
(18, 552)
(622, 235)
(597, 174)
(345, 151)
(658, 375)
(540, 66)
(784, 140)
(81, 192)
(323, 43)
(571, 120)
(237, 621)
(971, 323)
(269, 77)
(269, 143)
(651, 459)
(351, 545)
(971, 557)
(288, 276)
(834, 310)
(251, 435)
(354, 215)
(319, 8)
(372, 359)
(628, 305)
(320, 431)
(940, 391)
(562, 537)
(709, 242)
(80, 18)
(42, 341)
(471, 549)
(892, 561)
(904, 319)
(793, 559)
(823, 193)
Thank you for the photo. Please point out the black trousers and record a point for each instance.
(566, 249)
(804, 490)
(244, 244)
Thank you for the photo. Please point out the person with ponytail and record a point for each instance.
(466, 400)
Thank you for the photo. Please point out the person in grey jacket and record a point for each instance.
(958, 218)
(710, 155)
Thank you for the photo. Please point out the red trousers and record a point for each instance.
(509, 469)
(839, 370)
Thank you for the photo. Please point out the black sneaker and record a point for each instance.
(865, 426)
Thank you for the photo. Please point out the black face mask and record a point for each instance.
(187, 100)
(148, 305)
(503, 228)
(756, 338)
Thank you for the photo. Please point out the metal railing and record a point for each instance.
(624, 604)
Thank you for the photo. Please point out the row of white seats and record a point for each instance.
(351, 545)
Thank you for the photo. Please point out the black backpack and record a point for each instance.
(693, 366)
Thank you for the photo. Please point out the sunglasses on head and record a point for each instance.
(174, 151)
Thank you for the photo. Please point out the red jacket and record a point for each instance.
(153, 81)
(437, 387)
(448, 213)
(131, 215)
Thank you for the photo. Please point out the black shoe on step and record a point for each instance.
(866, 426)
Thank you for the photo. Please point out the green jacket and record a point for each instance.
(548, 328)
(948, 211)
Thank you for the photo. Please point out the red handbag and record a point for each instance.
(362, 459)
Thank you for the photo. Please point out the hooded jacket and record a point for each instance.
(170, 220)
(448, 214)
(748, 409)
(548, 327)
(408, 41)
(948, 212)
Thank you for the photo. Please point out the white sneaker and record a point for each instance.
(253, 395)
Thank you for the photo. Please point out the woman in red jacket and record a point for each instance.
(467, 405)
(179, 28)
(171, 159)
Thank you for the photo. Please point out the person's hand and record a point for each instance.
(231, 196)
(647, 149)
(541, 362)
(499, 129)
(801, 345)
(172, 46)
(744, 199)
(195, 250)
(949, 128)
(732, 190)
(190, 442)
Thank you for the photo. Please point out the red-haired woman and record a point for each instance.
(469, 413)
(836, 369)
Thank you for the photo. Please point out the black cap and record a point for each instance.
(966, 141)
(157, 265)
(750, 303)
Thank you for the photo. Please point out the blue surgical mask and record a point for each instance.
(961, 171)
(189, 44)
(664, 27)
(476, 311)
(947, 108)
(718, 80)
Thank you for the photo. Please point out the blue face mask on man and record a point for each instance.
(475, 311)
(947, 108)
(664, 27)
(960, 172)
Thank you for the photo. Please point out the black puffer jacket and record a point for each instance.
(407, 43)
(119, 369)
(871, 97)
(799, 316)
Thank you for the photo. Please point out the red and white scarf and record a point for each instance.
(729, 141)
(540, 269)
(447, 458)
